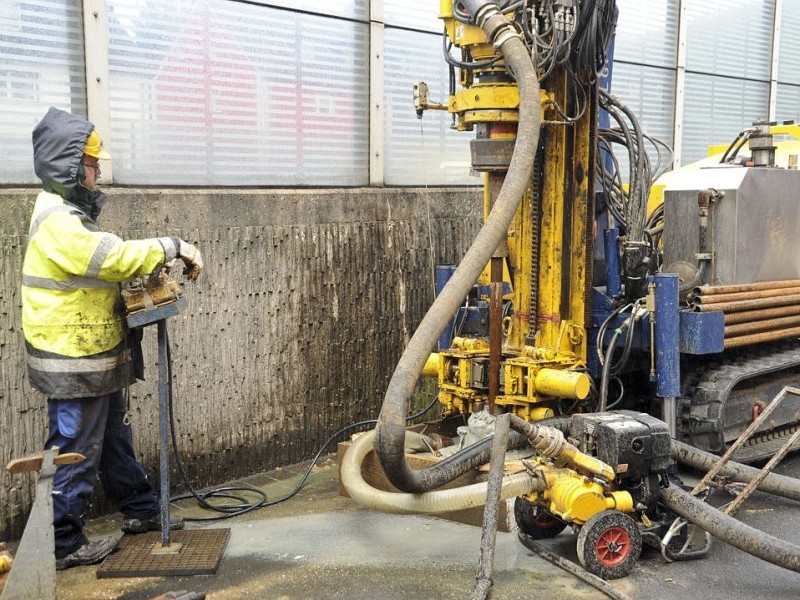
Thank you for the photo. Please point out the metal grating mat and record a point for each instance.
(200, 554)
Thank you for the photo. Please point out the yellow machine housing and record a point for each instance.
(575, 498)
(546, 260)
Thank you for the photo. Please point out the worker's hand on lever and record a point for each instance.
(191, 257)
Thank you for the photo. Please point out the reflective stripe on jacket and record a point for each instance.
(71, 318)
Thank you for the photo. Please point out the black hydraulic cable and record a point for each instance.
(619, 365)
(454, 62)
(241, 504)
(735, 146)
(573, 569)
(390, 431)
(612, 370)
(639, 171)
(602, 331)
(612, 181)
(724, 527)
(621, 395)
(234, 493)
(606, 374)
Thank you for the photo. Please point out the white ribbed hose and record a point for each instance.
(436, 501)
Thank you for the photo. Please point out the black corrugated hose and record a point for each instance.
(779, 485)
(740, 535)
(390, 432)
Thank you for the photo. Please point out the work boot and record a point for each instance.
(151, 524)
(88, 554)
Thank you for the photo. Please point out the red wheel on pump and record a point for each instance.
(609, 544)
(539, 525)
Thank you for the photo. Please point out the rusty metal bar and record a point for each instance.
(495, 329)
(744, 287)
(741, 305)
(756, 326)
(761, 315)
(719, 298)
(757, 338)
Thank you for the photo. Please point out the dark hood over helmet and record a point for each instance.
(59, 140)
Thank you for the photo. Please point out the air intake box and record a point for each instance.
(633, 443)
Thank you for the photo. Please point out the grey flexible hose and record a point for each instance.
(391, 422)
(744, 537)
(779, 485)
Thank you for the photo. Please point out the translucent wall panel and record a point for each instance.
(650, 93)
(789, 52)
(415, 14)
(218, 92)
(647, 32)
(717, 109)
(427, 151)
(730, 37)
(341, 8)
(787, 107)
(41, 65)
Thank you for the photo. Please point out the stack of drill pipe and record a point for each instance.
(754, 312)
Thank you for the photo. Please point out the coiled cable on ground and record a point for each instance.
(240, 504)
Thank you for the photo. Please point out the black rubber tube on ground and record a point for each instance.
(390, 431)
(744, 537)
(779, 485)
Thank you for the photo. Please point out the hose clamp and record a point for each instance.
(485, 12)
(504, 35)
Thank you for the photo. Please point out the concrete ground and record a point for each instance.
(320, 545)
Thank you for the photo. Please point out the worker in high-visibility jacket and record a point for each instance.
(79, 352)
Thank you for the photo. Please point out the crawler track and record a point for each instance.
(719, 403)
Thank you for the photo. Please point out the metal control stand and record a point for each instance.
(185, 552)
(163, 432)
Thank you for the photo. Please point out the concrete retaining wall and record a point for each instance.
(306, 302)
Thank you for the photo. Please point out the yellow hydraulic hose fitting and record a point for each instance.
(587, 464)
(563, 384)
(620, 500)
(431, 368)
(541, 412)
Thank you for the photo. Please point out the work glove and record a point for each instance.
(191, 257)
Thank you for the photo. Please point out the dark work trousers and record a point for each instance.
(94, 427)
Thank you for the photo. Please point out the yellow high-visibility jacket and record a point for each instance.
(71, 318)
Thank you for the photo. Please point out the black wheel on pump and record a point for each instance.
(609, 544)
(540, 525)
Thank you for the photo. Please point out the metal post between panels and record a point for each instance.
(95, 42)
